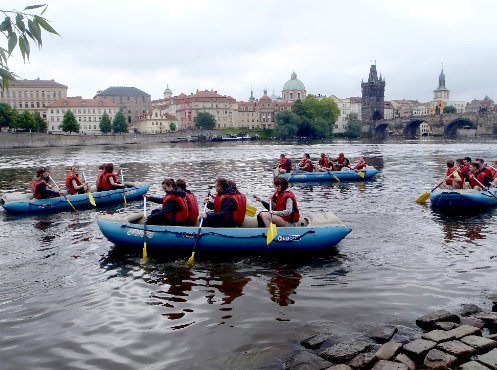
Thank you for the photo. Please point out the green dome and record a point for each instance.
(293, 84)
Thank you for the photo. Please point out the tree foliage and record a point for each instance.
(69, 123)
(172, 126)
(26, 121)
(40, 124)
(105, 123)
(5, 112)
(205, 120)
(119, 123)
(14, 119)
(450, 109)
(354, 125)
(20, 28)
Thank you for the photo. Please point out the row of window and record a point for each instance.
(129, 99)
(96, 119)
(31, 94)
(63, 111)
(27, 105)
(86, 127)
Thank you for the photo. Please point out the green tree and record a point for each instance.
(287, 124)
(172, 126)
(450, 109)
(26, 121)
(14, 119)
(105, 123)
(69, 123)
(119, 124)
(205, 120)
(354, 125)
(5, 112)
(40, 123)
(19, 34)
(317, 116)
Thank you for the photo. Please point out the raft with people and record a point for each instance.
(26, 204)
(463, 200)
(351, 175)
(316, 232)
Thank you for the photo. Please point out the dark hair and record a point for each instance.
(459, 161)
(232, 185)
(278, 180)
(450, 163)
(102, 166)
(476, 164)
(341, 155)
(169, 182)
(323, 155)
(109, 167)
(467, 159)
(480, 160)
(307, 155)
(282, 155)
(40, 171)
(222, 182)
(181, 184)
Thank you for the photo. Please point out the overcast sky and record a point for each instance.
(230, 46)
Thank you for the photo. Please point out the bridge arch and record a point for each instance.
(452, 127)
(412, 128)
(381, 130)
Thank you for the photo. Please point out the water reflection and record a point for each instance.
(464, 228)
(283, 285)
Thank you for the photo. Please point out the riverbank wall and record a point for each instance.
(13, 140)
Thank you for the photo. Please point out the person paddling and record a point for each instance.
(40, 187)
(284, 166)
(109, 178)
(361, 166)
(454, 178)
(284, 209)
(306, 164)
(174, 209)
(193, 211)
(74, 184)
(229, 207)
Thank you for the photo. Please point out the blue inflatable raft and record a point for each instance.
(316, 232)
(31, 206)
(463, 200)
(351, 175)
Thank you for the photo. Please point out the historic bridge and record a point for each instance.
(448, 124)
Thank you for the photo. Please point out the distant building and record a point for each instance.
(475, 105)
(459, 105)
(388, 110)
(293, 89)
(346, 106)
(421, 109)
(260, 113)
(88, 113)
(134, 103)
(373, 97)
(441, 93)
(403, 107)
(33, 95)
(158, 121)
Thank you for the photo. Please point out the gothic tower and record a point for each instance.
(373, 97)
(441, 93)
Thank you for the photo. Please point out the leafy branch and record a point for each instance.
(18, 34)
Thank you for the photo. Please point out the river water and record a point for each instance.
(70, 299)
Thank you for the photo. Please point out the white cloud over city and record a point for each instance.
(231, 46)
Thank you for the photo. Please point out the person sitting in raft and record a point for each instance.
(485, 169)
(74, 184)
(459, 166)
(465, 169)
(361, 166)
(306, 164)
(101, 172)
(109, 178)
(476, 178)
(40, 187)
(193, 211)
(283, 208)
(453, 177)
(493, 169)
(342, 163)
(324, 163)
(229, 207)
(174, 209)
(284, 166)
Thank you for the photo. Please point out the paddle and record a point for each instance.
(122, 181)
(50, 177)
(190, 260)
(361, 173)
(484, 187)
(271, 233)
(90, 196)
(144, 228)
(251, 211)
(423, 198)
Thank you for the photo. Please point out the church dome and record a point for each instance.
(293, 84)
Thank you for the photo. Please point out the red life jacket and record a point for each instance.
(465, 171)
(105, 180)
(360, 166)
(323, 162)
(99, 180)
(180, 216)
(450, 180)
(34, 187)
(286, 164)
(193, 207)
(281, 205)
(481, 177)
(307, 169)
(69, 186)
(241, 206)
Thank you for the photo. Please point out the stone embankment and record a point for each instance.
(444, 340)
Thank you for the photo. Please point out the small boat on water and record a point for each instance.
(240, 137)
(464, 200)
(316, 232)
(25, 204)
(351, 175)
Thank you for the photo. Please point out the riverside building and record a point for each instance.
(33, 95)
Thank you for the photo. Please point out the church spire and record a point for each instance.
(441, 80)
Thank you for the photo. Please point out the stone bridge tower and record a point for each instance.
(373, 97)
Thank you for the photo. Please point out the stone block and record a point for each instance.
(472, 365)
(438, 336)
(402, 358)
(418, 349)
(491, 336)
(446, 325)
(363, 361)
(477, 323)
(315, 341)
(469, 309)
(490, 319)
(381, 334)
(464, 330)
(427, 322)
(388, 350)
(481, 344)
(436, 359)
(457, 348)
(389, 365)
(345, 351)
(340, 367)
(488, 359)
(307, 360)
